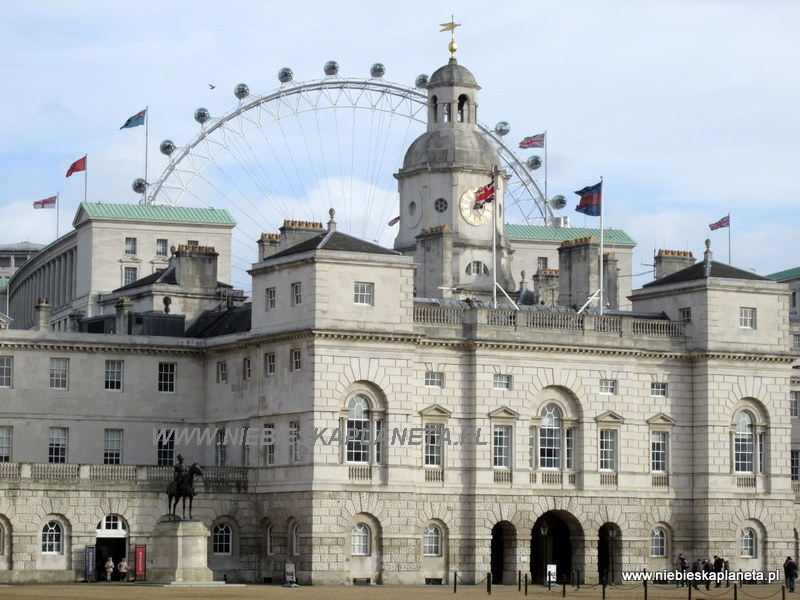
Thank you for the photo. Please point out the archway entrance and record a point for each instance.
(609, 550)
(111, 540)
(551, 544)
(503, 555)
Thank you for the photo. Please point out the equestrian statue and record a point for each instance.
(182, 487)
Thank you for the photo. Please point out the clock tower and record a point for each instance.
(443, 225)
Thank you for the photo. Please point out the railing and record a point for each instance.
(501, 318)
(9, 470)
(59, 471)
(434, 475)
(112, 472)
(746, 481)
(161, 473)
(438, 314)
(608, 479)
(659, 328)
(608, 324)
(547, 320)
(225, 474)
(502, 476)
(552, 478)
(359, 473)
(660, 480)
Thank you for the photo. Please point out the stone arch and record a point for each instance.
(557, 537)
(363, 543)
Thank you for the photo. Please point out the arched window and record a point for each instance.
(550, 438)
(358, 429)
(52, 538)
(747, 543)
(432, 541)
(744, 443)
(296, 539)
(359, 540)
(434, 109)
(476, 267)
(463, 108)
(222, 538)
(658, 542)
(270, 540)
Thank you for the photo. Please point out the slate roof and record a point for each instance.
(561, 234)
(213, 323)
(334, 240)
(698, 271)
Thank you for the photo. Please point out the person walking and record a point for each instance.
(122, 567)
(109, 568)
(682, 565)
(790, 572)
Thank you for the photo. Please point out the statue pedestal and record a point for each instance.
(180, 553)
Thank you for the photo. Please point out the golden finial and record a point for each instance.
(451, 27)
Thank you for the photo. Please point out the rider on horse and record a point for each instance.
(181, 470)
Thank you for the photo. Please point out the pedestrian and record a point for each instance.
(109, 568)
(682, 566)
(122, 567)
(708, 569)
(726, 568)
(718, 564)
(697, 569)
(790, 572)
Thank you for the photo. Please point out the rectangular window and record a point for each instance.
(747, 318)
(270, 446)
(379, 442)
(129, 275)
(433, 445)
(271, 299)
(166, 377)
(297, 361)
(532, 448)
(6, 437)
(608, 386)
(57, 450)
(166, 448)
(364, 293)
(114, 372)
(658, 451)
(796, 342)
(541, 262)
(59, 373)
(794, 465)
(684, 314)
(130, 246)
(222, 372)
(501, 447)
(294, 441)
(549, 445)
(794, 404)
(434, 379)
(297, 294)
(112, 447)
(6, 371)
(269, 364)
(608, 449)
(161, 247)
(569, 449)
(246, 449)
(762, 452)
(246, 369)
(192, 243)
(658, 389)
(501, 381)
(220, 449)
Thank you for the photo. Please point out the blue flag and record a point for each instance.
(135, 120)
(591, 200)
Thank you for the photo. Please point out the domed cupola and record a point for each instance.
(452, 138)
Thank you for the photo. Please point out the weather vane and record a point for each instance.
(451, 27)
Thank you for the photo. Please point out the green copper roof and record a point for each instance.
(787, 274)
(560, 234)
(142, 212)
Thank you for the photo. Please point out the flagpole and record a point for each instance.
(546, 197)
(730, 262)
(85, 178)
(494, 238)
(58, 213)
(602, 203)
(146, 136)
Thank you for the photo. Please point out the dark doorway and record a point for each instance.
(551, 543)
(498, 555)
(116, 548)
(608, 550)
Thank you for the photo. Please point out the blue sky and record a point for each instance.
(687, 109)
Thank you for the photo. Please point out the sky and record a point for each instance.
(688, 110)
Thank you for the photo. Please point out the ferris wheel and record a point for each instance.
(306, 147)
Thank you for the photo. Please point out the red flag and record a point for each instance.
(394, 221)
(46, 203)
(78, 165)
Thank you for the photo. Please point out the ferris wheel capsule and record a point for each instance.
(139, 185)
(241, 91)
(534, 162)
(377, 70)
(201, 115)
(331, 68)
(422, 80)
(285, 75)
(502, 128)
(167, 147)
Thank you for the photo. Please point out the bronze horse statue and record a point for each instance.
(183, 488)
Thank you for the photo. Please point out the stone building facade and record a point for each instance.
(360, 422)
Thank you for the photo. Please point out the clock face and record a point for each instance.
(474, 216)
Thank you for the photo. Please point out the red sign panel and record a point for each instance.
(141, 559)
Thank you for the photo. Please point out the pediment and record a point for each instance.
(609, 418)
(661, 420)
(503, 413)
(435, 410)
